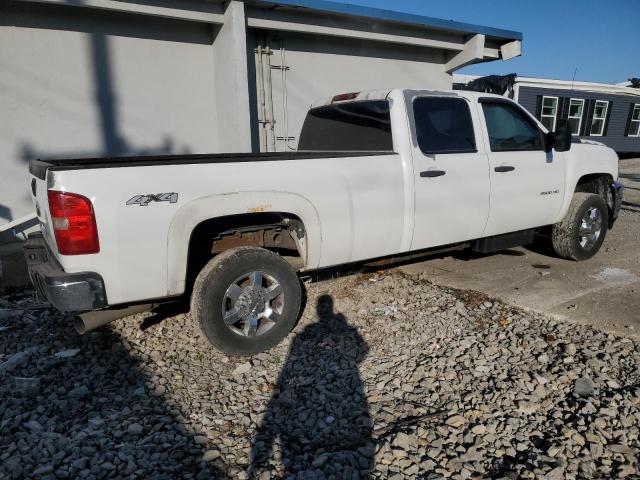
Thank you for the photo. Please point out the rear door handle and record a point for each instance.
(504, 168)
(432, 173)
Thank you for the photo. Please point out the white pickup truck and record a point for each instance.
(378, 174)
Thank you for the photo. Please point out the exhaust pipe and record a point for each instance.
(85, 322)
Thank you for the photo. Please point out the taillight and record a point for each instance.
(74, 223)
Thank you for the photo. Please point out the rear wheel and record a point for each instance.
(582, 231)
(246, 300)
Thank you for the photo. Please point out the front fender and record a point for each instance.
(190, 215)
(587, 158)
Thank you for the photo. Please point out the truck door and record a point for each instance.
(451, 175)
(527, 183)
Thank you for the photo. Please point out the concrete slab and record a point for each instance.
(604, 291)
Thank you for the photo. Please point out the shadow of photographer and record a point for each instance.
(318, 417)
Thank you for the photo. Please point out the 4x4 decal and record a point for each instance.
(144, 200)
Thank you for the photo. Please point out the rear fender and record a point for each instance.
(190, 215)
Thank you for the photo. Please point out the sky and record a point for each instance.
(599, 38)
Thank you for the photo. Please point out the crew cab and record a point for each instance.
(377, 174)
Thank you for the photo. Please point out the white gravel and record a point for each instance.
(386, 376)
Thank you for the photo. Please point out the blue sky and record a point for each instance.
(600, 38)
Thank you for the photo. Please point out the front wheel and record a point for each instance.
(582, 231)
(246, 300)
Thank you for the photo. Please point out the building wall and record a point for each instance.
(79, 82)
(320, 67)
(615, 137)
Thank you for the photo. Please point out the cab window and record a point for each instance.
(354, 126)
(509, 129)
(443, 125)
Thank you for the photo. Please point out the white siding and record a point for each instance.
(321, 67)
(134, 85)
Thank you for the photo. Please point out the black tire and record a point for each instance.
(209, 292)
(565, 236)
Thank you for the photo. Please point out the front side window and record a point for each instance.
(356, 126)
(549, 112)
(443, 125)
(509, 129)
(599, 118)
(576, 108)
(634, 126)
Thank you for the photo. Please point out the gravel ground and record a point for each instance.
(386, 376)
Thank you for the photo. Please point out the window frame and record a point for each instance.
(555, 113)
(448, 152)
(636, 106)
(583, 102)
(604, 118)
(528, 118)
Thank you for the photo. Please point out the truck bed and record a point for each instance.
(39, 167)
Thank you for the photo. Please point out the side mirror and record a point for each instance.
(560, 140)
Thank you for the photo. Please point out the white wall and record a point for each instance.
(231, 81)
(321, 67)
(76, 82)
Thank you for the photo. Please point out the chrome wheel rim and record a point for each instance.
(590, 228)
(253, 304)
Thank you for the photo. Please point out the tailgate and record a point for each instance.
(38, 185)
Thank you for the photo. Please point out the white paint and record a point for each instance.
(66, 93)
(553, 104)
(517, 200)
(178, 79)
(343, 202)
(579, 86)
(444, 212)
(473, 52)
(634, 124)
(563, 84)
(232, 82)
(604, 109)
(578, 116)
(287, 26)
(321, 67)
(511, 50)
(185, 10)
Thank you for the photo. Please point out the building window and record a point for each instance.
(634, 125)
(576, 107)
(549, 112)
(599, 118)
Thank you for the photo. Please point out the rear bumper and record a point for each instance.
(617, 193)
(67, 292)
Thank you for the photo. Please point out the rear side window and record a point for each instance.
(443, 125)
(509, 129)
(356, 126)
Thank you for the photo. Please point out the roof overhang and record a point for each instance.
(391, 16)
(578, 86)
(461, 43)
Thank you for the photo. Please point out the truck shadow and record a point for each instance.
(320, 386)
(94, 412)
